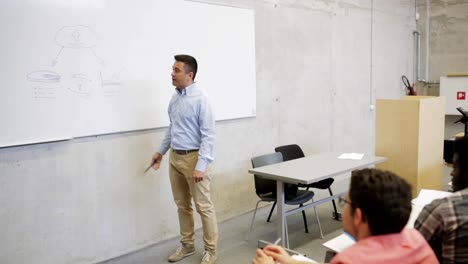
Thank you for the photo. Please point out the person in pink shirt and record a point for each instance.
(375, 212)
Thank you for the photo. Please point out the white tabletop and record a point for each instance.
(314, 167)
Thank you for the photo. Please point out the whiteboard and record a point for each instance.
(78, 68)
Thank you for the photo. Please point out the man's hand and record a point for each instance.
(198, 176)
(262, 258)
(156, 160)
(278, 254)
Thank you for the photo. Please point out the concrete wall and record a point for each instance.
(320, 67)
(444, 28)
(444, 24)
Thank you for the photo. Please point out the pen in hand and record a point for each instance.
(277, 241)
(151, 165)
(276, 244)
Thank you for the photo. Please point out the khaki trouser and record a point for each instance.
(181, 169)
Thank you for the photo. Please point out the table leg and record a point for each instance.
(281, 209)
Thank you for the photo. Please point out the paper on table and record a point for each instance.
(427, 196)
(340, 242)
(303, 259)
(352, 156)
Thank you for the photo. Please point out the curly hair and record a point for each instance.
(460, 166)
(384, 199)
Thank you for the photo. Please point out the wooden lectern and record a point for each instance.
(410, 133)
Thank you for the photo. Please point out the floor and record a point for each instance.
(234, 248)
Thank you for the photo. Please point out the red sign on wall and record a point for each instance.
(461, 95)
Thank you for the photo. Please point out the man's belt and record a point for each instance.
(184, 151)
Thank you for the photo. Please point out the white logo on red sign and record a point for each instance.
(461, 95)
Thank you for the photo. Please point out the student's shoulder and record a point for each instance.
(461, 195)
(358, 251)
(413, 236)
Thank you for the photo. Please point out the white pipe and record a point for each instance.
(371, 92)
(418, 55)
(417, 34)
(416, 11)
(428, 35)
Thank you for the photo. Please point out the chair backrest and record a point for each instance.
(267, 159)
(265, 186)
(293, 151)
(290, 152)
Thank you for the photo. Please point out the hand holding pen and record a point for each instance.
(263, 256)
(278, 253)
(155, 161)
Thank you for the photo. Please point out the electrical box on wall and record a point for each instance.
(455, 91)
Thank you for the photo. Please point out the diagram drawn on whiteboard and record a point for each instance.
(76, 67)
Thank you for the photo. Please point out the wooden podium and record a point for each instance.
(410, 133)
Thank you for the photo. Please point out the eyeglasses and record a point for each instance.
(342, 201)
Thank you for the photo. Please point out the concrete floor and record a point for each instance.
(235, 249)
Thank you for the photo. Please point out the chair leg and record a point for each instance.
(334, 205)
(318, 221)
(253, 218)
(286, 231)
(271, 211)
(305, 220)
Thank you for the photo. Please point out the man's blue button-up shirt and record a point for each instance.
(192, 125)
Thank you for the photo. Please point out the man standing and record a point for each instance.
(190, 136)
(375, 212)
(444, 222)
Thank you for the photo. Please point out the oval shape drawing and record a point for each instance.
(76, 37)
(44, 76)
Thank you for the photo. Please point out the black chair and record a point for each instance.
(293, 151)
(266, 189)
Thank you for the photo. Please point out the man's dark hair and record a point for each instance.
(190, 62)
(384, 199)
(460, 148)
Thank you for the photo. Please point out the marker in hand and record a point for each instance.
(151, 165)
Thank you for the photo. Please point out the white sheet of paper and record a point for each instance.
(351, 156)
(303, 259)
(427, 196)
(339, 243)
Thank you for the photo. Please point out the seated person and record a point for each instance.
(376, 210)
(444, 222)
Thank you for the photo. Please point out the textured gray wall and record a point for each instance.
(447, 21)
(444, 29)
(320, 67)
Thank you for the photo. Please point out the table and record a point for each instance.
(308, 170)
